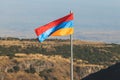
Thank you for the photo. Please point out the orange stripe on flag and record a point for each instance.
(63, 31)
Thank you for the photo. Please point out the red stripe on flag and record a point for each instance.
(54, 23)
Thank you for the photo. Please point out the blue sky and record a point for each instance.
(96, 20)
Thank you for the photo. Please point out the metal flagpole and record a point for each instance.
(71, 59)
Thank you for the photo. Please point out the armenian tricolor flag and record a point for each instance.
(60, 27)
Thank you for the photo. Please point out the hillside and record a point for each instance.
(110, 73)
(41, 67)
(92, 52)
(28, 59)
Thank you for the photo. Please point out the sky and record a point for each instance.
(94, 20)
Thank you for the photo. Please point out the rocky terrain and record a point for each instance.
(41, 67)
(27, 59)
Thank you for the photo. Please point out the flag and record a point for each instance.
(60, 27)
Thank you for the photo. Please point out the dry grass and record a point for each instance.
(54, 67)
(26, 43)
(58, 66)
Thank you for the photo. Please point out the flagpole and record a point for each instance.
(71, 59)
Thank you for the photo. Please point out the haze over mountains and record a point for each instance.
(94, 20)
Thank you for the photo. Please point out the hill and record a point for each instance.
(110, 73)
(50, 60)
(41, 67)
(93, 52)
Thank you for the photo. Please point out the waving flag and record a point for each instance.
(60, 27)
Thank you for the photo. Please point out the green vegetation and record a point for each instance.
(92, 54)
(106, 55)
(46, 74)
(14, 69)
(10, 51)
(31, 70)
